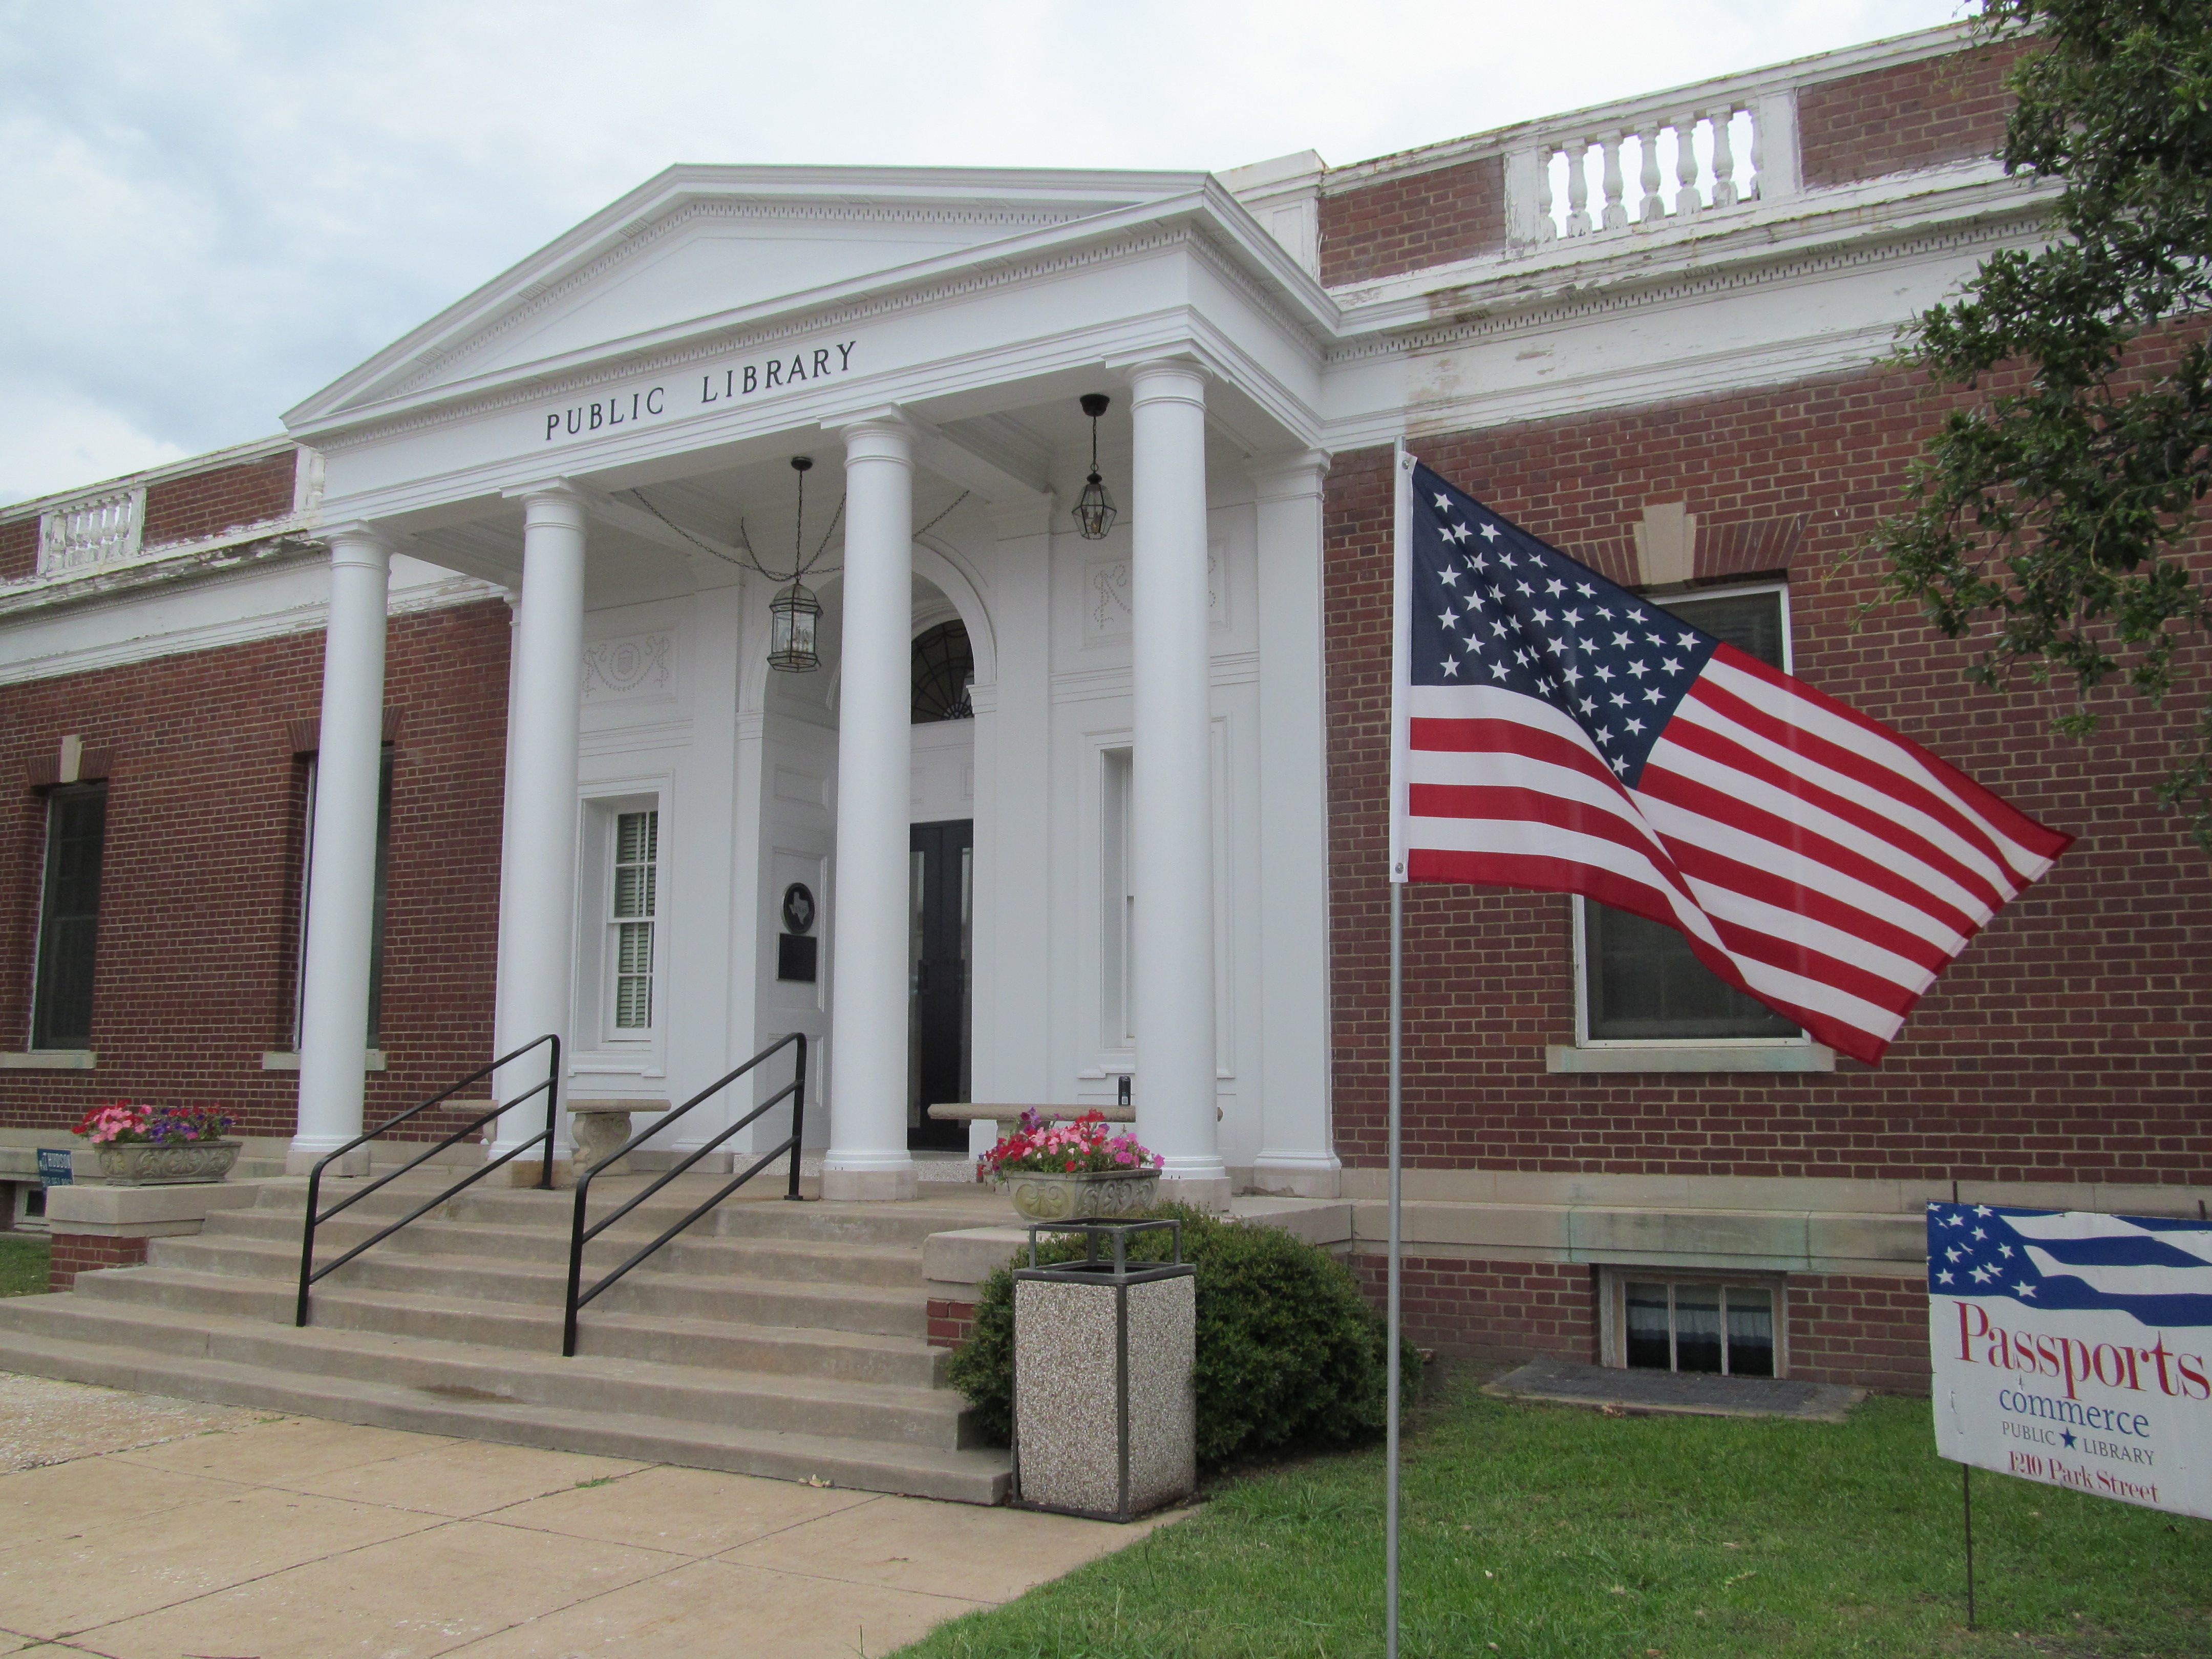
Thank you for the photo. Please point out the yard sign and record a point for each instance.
(2071, 1348)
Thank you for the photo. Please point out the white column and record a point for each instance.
(1013, 1003)
(538, 886)
(1296, 1154)
(867, 1156)
(1171, 816)
(342, 893)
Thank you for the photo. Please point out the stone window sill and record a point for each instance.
(51, 1060)
(283, 1059)
(1692, 1057)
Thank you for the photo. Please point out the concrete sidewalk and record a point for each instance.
(145, 1528)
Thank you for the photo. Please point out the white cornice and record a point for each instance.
(1475, 311)
(306, 618)
(175, 561)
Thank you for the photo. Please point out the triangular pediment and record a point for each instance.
(696, 246)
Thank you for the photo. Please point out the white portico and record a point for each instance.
(1129, 831)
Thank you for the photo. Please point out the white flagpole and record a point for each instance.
(1401, 476)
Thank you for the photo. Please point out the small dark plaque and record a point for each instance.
(795, 958)
(54, 1167)
(798, 911)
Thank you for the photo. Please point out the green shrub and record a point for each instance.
(1289, 1353)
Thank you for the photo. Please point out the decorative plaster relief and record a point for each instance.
(1106, 595)
(638, 665)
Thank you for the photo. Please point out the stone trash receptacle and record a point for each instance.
(1105, 1406)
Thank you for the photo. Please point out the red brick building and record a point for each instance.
(1651, 334)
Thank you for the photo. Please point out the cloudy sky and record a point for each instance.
(218, 206)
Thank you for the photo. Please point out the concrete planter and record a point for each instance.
(1108, 1193)
(143, 1163)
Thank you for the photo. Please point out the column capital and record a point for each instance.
(1287, 476)
(359, 542)
(552, 501)
(883, 434)
(1167, 380)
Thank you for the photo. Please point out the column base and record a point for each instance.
(1297, 1178)
(302, 1160)
(869, 1186)
(1200, 1192)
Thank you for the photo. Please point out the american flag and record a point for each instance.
(2157, 1269)
(1554, 731)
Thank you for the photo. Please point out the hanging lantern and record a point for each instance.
(1094, 508)
(791, 616)
(793, 613)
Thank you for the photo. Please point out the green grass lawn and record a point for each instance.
(1540, 1530)
(22, 1264)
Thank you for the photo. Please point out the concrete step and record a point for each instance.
(852, 1356)
(769, 1217)
(614, 1386)
(814, 1304)
(964, 1476)
(891, 1265)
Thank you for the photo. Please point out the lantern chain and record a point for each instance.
(751, 561)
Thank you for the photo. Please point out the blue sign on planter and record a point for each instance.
(54, 1166)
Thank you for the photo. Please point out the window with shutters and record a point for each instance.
(1638, 980)
(633, 892)
(69, 917)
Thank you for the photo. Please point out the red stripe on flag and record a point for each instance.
(1722, 750)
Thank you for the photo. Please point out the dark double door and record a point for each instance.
(940, 906)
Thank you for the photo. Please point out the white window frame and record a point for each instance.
(1117, 903)
(1588, 1053)
(600, 1045)
(1613, 1306)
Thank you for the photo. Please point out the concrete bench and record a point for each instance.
(1007, 1117)
(601, 1126)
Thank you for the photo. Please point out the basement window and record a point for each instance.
(1726, 1326)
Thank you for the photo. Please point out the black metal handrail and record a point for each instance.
(580, 1235)
(550, 1088)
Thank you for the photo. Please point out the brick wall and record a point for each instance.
(199, 907)
(1951, 108)
(2068, 1042)
(19, 549)
(1455, 1305)
(1859, 1329)
(85, 1253)
(1411, 222)
(950, 1322)
(203, 504)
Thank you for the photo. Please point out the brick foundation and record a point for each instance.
(1865, 1331)
(84, 1253)
(1458, 1305)
(1860, 1329)
(950, 1322)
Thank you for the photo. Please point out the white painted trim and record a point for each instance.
(215, 636)
(51, 1060)
(288, 1060)
(1788, 1055)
